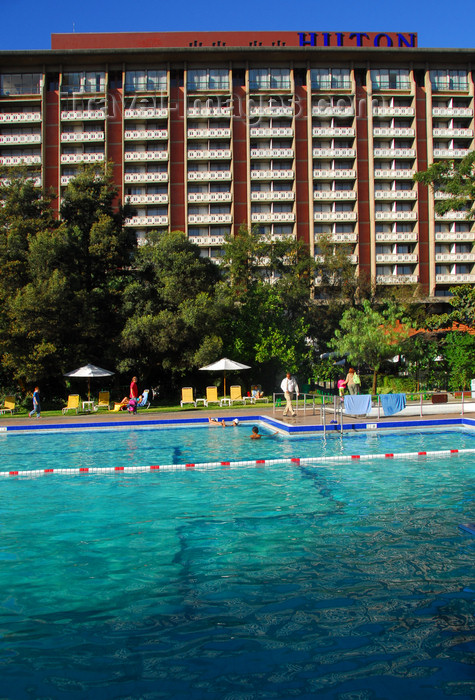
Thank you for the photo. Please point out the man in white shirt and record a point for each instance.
(288, 386)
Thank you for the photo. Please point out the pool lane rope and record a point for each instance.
(314, 461)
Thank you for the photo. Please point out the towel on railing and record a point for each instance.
(357, 404)
(392, 403)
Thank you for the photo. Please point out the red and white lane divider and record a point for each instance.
(314, 461)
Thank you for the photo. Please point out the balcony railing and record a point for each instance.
(273, 217)
(451, 152)
(453, 133)
(334, 152)
(145, 177)
(20, 160)
(210, 218)
(460, 279)
(340, 237)
(208, 133)
(334, 216)
(272, 153)
(334, 174)
(390, 174)
(20, 139)
(397, 279)
(272, 174)
(280, 132)
(147, 221)
(145, 156)
(394, 153)
(207, 240)
(82, 136)
(332, 110)
(272, 196)
(209, 111)
(146, 113)
(271, 111)
(82, 158)
(393, 111)
(334, 194)
(16, 117)
(203, 175)
(396, 237)
(145, 134)
(451, 215)
(452, 112)
(455, 235)
(333, 131)
(147, 198)
(396, 258)
(209, 197)
(395, 194)
(210, 154)
(83, 115)
(392, 131)
(396, 216)
(455, 257)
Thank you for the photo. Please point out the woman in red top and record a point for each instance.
(134, 390)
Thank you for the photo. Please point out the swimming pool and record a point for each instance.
(339, 579)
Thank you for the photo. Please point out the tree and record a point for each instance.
(456, 179)
(459, 350)
(370, 336)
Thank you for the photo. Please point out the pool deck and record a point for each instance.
(304, 421)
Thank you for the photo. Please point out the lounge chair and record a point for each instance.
(120, 406)
(144, 403)
(8, 405)
(73, 403)
(103, 401)
(187, 396)
(212, 395)
(235, 393)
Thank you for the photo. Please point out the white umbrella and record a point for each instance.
(224, 365)
(89, 371)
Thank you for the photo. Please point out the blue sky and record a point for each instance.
(28, 24)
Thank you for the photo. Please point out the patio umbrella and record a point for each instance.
(89, 371)
(224, 365)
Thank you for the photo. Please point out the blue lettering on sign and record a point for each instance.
(401, 40)
(359, 38)
(377, 40)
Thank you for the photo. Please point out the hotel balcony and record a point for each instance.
(340, 237)
(395, 194)
(82, 136)
(20, 160)
(394, 153)
(455, 257)
(209, 133)
(146, 113)
(204, 175)
(454, 279)
(333, 131)
(396, 237)
(145, 134)
(273, 217)
(396, 258)
(147, 198)
(272, 153)
(207, 240)
(280, 132)
(454, 236)
(5, 181)
(209, 112)
(210, 218)
(19, 117)
(145, 156)
(137, 178)
(393, 174)
(82, 115)
(392, 131)
(82, 158)
(453, 133)
(396, 216)
(451, 215)
(334, 174)
(210, 154)
(277, 111)
(452, 112)
(272, 196)
(66, 179)
(334, 152)
(335, 216)
(353, 258)
(334, 194)
(451, 152)
(206, 197)
(147, 221)
(20, 139)
(397, 279)
(330, 110)
(272, 174)
(393, 111)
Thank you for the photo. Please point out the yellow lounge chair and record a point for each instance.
(187, 396)
(103, 401)
(73, 403)
(236, 395)
(8, 405)
(212, 395)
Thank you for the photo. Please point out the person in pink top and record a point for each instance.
(341, 384)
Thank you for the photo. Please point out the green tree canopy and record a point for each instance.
(456, 179)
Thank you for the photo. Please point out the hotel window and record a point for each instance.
(208, 79)
(449, 79)
(269, 78)
(85, 81)
(20, 83)
(390, 79)
(145, 81)
(330, 78)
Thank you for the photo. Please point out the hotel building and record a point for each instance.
(298, 133)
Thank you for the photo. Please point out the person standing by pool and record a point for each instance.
(36, 403)
(288, 386)
(350, 381)
(134, 390)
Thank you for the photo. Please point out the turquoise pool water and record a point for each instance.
(334, 580)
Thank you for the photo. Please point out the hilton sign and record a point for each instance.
(357, 39)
